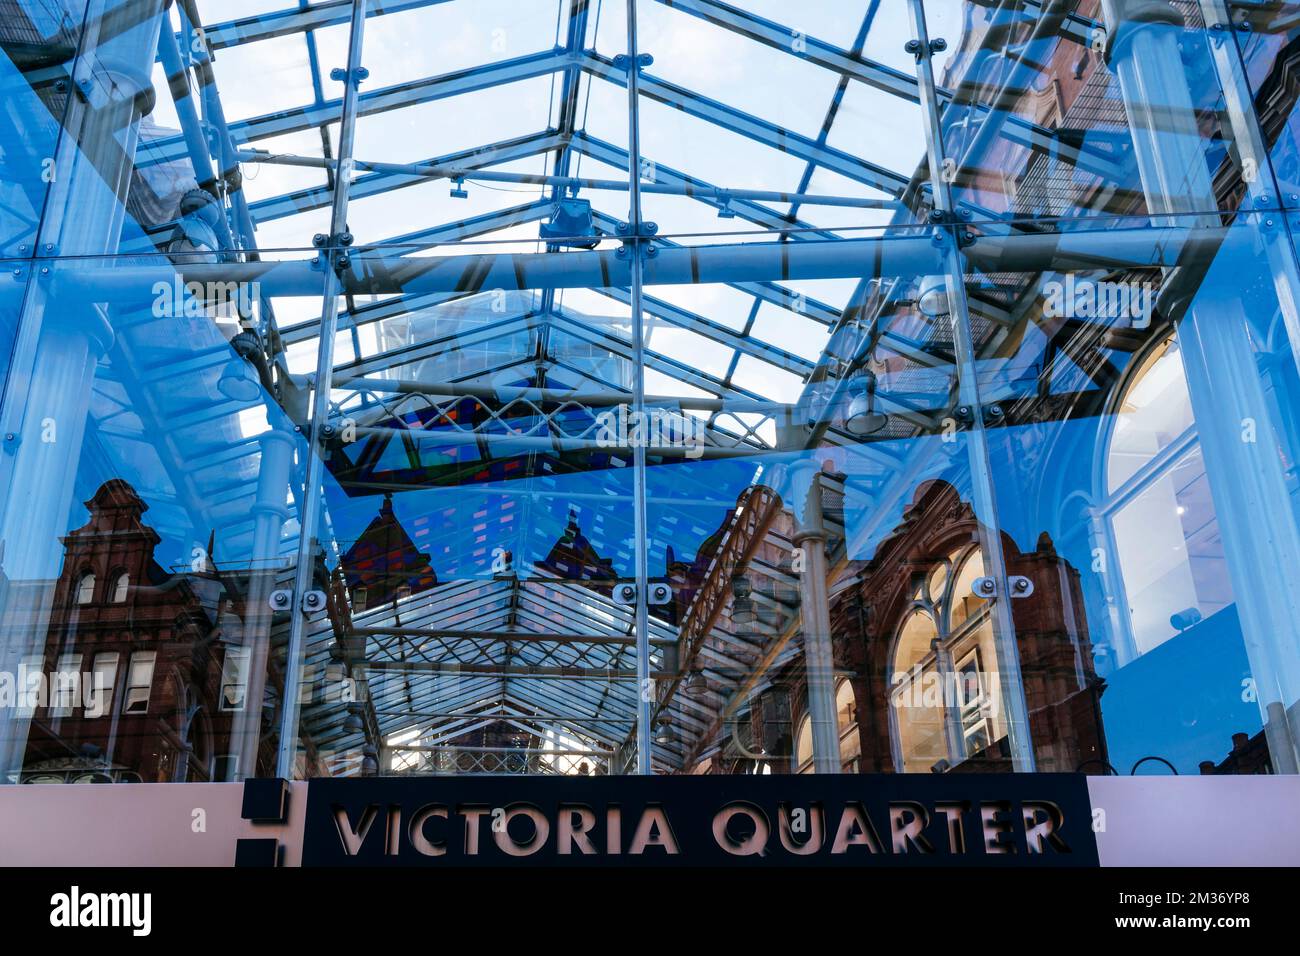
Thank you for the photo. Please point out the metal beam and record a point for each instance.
(393, 97)
(363, 187)
(753, 127)
(501, 670)
(266, 26)
(907, 256)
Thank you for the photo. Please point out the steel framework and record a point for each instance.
(561, 660)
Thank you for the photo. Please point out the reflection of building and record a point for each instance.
(918, 648)
(384, 563)
(1248, 755)
(143, 667)
(574, 558)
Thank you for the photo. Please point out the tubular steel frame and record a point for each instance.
(339, 270)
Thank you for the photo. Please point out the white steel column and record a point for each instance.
(636, 249)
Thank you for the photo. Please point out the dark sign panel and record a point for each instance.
(852, 820)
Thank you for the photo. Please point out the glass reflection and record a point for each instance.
(964, 447)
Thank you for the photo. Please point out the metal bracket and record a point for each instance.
(658, 593)
(328, 244)
(955, 223)
(282, 600)
(987, 587)
(992, 414)
(919, 50)
(641, 238)
(355, 77)
(945, 217)
(322, 241)
(623, 62)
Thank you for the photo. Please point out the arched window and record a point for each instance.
(846, 721)
(1156, 513)
(86, 588)
(803, 746)
(942, 703)
(120, 587)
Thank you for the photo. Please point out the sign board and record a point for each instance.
(1033, 820)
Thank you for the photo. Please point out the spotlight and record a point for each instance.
(238, 380)
(862, 418)
(932, 297)
(665, 734)
(354, 724)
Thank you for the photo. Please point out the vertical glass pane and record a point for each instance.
(1048, 112)
(822, 546)
(1146, 474)
(148, 514)
(1265, 37)
(473, 540)
(38, 43)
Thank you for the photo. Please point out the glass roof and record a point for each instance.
(498, 231)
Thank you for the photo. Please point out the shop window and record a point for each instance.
(846, 720)
(139, 682)
(803, 746)
(225, 768)
(962, 600)
(65, 685)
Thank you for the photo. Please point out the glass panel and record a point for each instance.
(798, 540)
(37, 41)
(746, 109)
(472, 539)
(1046, 111)
(1264, 37)
(154, 513)
(1143, 479)
(912, 463)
